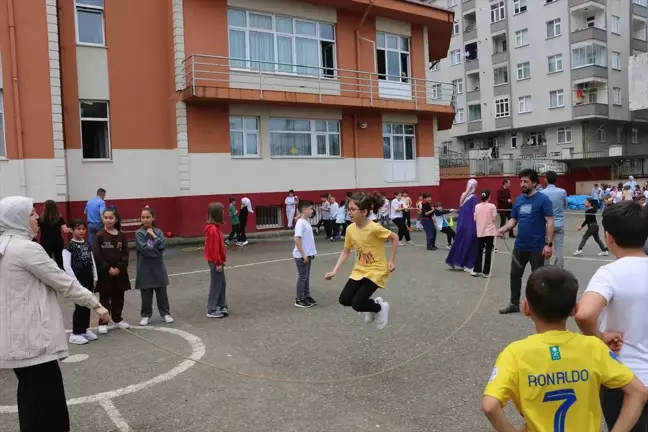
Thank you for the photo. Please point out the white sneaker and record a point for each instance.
(168, 319)
(382, 317)
(468, 270)
(111, 326)
(238, 243)
(474, 273)
(603, 253)
(371, 316)
(145, 321)
(90, 335)
(245, 243)
(578, 252)
(103, 329)
(123, 325)
(411, 243)
(78, 339)
(448, 247)
(484, 275)
(401, 243)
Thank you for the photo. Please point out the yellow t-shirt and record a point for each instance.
(369, 246)
(554, 379)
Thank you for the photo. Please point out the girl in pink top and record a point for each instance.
(485, 214)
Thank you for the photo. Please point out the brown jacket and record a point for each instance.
(111, 251)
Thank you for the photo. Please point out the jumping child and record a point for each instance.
(304, 254)
(79, 263)
(371, 270)
(110, 252)
(485, 217)
(151, 272)
(216, 257)
(592, 229)
(441, 223)
(236, 223)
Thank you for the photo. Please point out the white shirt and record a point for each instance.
(333, 210)
(396, 205)
(304, 231)
(624, 284)
(325, 210)
(372, 216)
(290, 202)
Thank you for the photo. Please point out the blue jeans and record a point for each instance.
(430, 232)
(93, 229)
(385, 221)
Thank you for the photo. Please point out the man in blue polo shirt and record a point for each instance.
(533, 214)
(94, 210)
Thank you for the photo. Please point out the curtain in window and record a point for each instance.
(399, 148)
(251, 144)
(236, 144)
(237, 48)
(261, 48)
(285, 54)
(306, 54)
(290, 144)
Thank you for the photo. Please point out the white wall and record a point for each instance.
(39, 176)
(291, 8)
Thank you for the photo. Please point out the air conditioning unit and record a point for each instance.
(615, 151)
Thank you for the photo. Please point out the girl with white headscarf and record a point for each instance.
(464, 249)
(32, 331)
(246, 209)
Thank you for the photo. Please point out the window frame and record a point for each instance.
(527, 101)
(497, 70)
(390, 136)
(566, 130)
(437, 92)
(497, 10)
(456, 29)
(452, 54)
(518, 5)
(503, 104)
(480, 113)
(556, 58)
(556, 23)
(617, 96)
(458, 85)
(400, 51)
(95, 119)
(79, 5)
(462, 117)
(521, 68)
(245, 133)
(524, 34)
(643, 3)
(560, 94)
(598, 54)
(635, 136)
(616, 60)
(601, 135)
(313, 138)
(615, 25)
(452, 3)
(3, 129)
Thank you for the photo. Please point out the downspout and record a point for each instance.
(16, 97)
(60, 51)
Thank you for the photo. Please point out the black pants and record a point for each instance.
(592, 231)
(236, 231)
(80, 320)
(147, 302)
(334, 228)
(242, 225)
(343, 227)
(450, 233)
(408, 219)
(504, 217)
(518, 262)
(484, 244)
(113, 300)
(327, 227)
(357, 294)
(611, 402)
(41, 399)
(55, 251)
(430, 233)
(402, 229)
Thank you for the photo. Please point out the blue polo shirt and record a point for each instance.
(530, 213)
(94, 209)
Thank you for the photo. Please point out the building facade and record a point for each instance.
(544, 79)
(176, 103)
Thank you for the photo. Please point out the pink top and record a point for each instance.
(485, 214)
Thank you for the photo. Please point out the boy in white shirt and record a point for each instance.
(618, 293)
(333, 213)
(304, 253)
(291, 202)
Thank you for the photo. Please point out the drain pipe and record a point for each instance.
(16, 97)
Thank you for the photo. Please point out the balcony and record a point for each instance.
(208, 77)
(533, 150)
(470, 26)
(590, 99)
(592, 33)
(587, 23)
(591, 110)
(574, 3)
(500, 48)
(639, 45)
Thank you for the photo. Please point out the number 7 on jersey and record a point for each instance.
(568, 398)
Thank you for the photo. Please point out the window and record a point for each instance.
(590, 21)
(445, 146)
(500, 75)
(564, 135)
(455, 28)
(393, 57)
(513, 141)
(616, 95)
(436, 66)
(273, 44)
(555, 63)
(399, 142)
(497, 11)
(90, 22)
(502, 108)
(641, 2)
(458, 85)
(95, 130)
(620, 135)
(556, 99)
(436, 91)
(519, 6)
(471, 52)
(635, 136)
(524, 104)
(616, 60)
(244, 136)
(474, 113)
(455, 57)
(549, 1)
(616, 24)
(553, 28)
(452, 3)
(600, 134)
(301, 138)
(591, 55)
(521, 38)
(459, 116)
(3, 146)
(523, 71)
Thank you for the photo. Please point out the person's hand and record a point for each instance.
(453, 210)
(579, 228)
(330, 275)
(219, 268)
(509, 200)
(111, 271)
(613, 340)
(151, 232)
(501, 232)
(391, 266)
(305, 259)
(547, 252)
(104, 315)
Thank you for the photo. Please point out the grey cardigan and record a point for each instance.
(151, 271)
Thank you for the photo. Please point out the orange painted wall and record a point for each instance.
(205, 27)
(208, 128)
(8, 95)
(69, 79)
(425, 137)
(418, 56)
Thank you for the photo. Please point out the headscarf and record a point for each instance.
(247, 203)
(631, 182)
(14, 220)
(470, 192)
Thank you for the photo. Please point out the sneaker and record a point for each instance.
(215, 314)
(111, 326)
(103, 329)
(468, 270)
(332, 239)
(510, 309)
(168, 319)
(449, 247)
(123, 324)
(401, 243)
(245, 243)
(239, 244)
(227, 242)
(382, 317)
(484, 275)
(90, 335)
(145, 321)
(78, 339)
(370, 317)
(302, 304)
(603, 253)
(495, 250)
(316, 231)
(224, 311)
(411, 243)
(578, 252)
(311, 300)
(474, 273)
(433, 248)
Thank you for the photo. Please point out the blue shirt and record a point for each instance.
(94, 209)
(558, 199)
(530, 213)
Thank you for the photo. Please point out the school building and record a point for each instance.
(176, 103)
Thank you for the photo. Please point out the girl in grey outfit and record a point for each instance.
(151, 272)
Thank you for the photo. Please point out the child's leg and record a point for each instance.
(232, 234)
(162, 299)
(117, 303)
(308, 270)
(362, 301)
(80, 320)
(214, 288)
(349, 291)
(597, 239)
(481, 244)
(586, 236)
(106, 301)
(242, 230)
(221, 300)
(239, 236)
(147, 302)
(489, 254)
(302, 278)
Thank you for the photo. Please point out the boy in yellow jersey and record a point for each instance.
(554, 377)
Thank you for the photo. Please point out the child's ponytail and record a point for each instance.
(485, 195)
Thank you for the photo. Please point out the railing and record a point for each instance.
(228, 72)
(462, 167)
(268, 217)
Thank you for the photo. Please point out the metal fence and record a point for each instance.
(454, 166)
(268, 217)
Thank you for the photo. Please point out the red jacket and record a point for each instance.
(215, 245)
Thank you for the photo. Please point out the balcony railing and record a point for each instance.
(450, 166)
(324, 83)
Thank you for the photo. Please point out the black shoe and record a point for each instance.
(304, 304)
(512, 236)
(510, 309)
(433, 248)
(311, 300)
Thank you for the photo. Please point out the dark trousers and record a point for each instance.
(484, 245)
(357, 294)
(430, 232)
(242, 225)
(611, 402)
(592, 231)
(162, 302)
(518, 263)
(217, 298)
(236, 231)
(41, 399)
(80, 320)
(113, 300)
(334, 228)
(55, 251)
(343, 227)
(408, 219)
(303, 277)
(450, 234)
(327, 227)
(504, 217)
(402, 229)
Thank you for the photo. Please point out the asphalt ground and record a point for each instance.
(446, 321)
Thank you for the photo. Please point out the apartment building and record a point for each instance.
(544, 79)
(175, 103)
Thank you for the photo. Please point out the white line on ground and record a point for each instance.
(571, 257)
(115, 415)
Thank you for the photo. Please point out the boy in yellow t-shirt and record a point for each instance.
(371, 268)
(554, 377)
